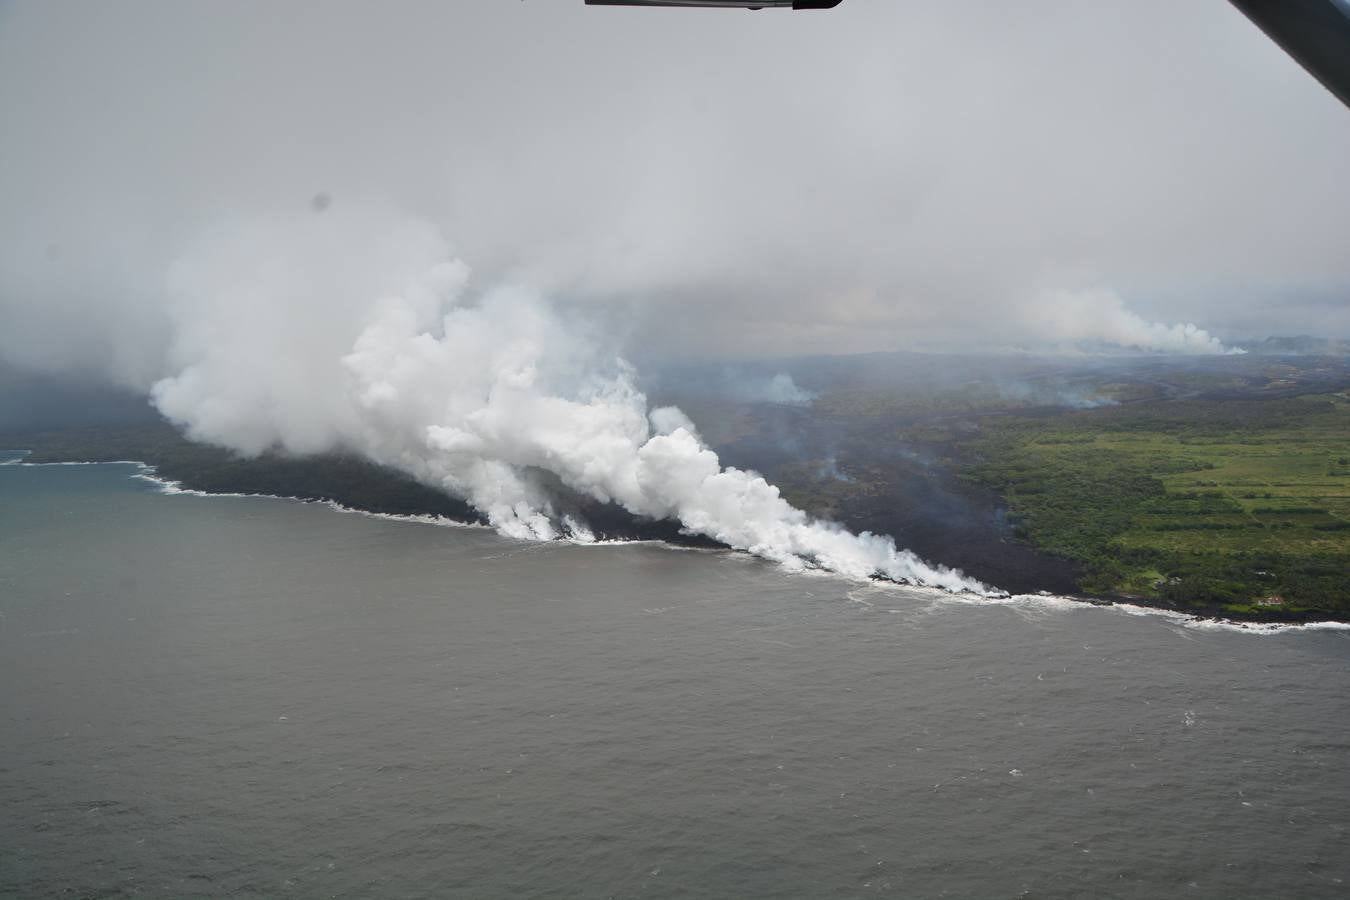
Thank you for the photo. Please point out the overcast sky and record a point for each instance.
(719, 184)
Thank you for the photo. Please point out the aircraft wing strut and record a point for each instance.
(733, 4)
(1316, 33)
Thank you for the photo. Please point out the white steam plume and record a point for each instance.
(1099, 316)
(329, 331)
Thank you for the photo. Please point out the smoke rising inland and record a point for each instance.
(312, 334)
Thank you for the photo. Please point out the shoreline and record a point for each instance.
(1201, 617)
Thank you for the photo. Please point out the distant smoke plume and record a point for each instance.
(1051, 394)
(1098, 319)
(829, 470)
(778, 390)
(321, 332)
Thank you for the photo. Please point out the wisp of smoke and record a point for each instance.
(777, 390)
(1052, 394)
(1099, 317)
(322, 332)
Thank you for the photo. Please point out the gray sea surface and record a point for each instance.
(249, 697)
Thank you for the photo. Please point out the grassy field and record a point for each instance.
(1230, 503)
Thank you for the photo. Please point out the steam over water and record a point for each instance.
(358, 330)
(209, 697)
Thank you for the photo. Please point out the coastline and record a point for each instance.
(1272, 622)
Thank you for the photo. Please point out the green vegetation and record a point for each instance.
(1239, 504)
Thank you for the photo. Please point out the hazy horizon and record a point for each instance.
(710, 185)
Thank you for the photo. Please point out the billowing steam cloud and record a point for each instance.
(344, 331)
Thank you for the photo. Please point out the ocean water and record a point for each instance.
(248, 697)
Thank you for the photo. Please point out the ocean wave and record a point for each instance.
(1047, 602)
(1266, 627)
(40, 465)
(415, 518)
(634, 542)
(1213, 623)
(171, 487)
(1052, 602)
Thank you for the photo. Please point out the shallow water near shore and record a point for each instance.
(226, 696)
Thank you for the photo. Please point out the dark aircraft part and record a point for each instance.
(1314, 32)
(734, 4)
